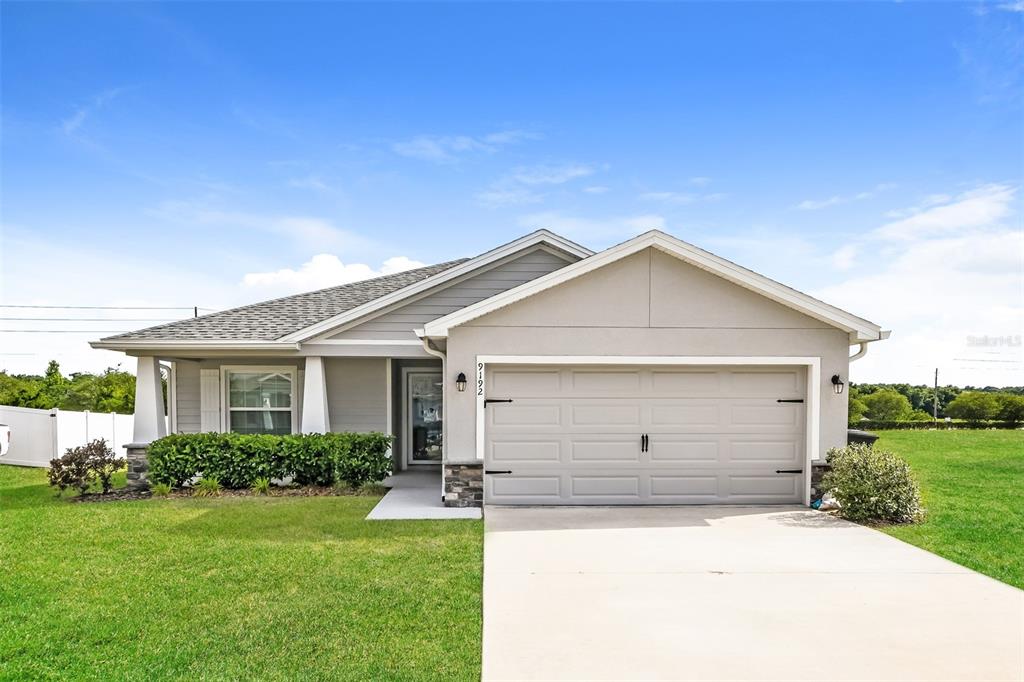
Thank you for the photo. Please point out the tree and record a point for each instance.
(974, 406)
(1011, 408)
(887, 404)
(856, 406)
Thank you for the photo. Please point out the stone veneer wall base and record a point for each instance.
(138, 466)
(463, 485)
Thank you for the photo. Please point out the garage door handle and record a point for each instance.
(643, 443)
(789, 471)
(492, 471)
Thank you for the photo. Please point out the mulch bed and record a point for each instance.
(124, 494)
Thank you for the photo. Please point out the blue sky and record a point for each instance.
(215, 154)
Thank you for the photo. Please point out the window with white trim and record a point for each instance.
(260, 400)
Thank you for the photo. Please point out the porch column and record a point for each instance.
(315, 418)
(150, 422)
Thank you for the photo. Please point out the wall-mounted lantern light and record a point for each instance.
(460, 382)
(837, 384)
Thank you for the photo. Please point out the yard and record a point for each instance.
(971, 482)
(232, 588)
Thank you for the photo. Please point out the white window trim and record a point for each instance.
(225, 409)
(813, 398)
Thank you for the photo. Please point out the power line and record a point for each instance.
(91, 319)
(105, 307)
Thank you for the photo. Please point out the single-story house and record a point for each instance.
(539, 373)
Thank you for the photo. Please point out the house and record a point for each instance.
(540, 372)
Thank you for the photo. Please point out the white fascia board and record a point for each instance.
(680, 249)
(140, 344)
(540, 237)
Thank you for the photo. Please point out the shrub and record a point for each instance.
(207, 487)
(160, 489)
(1011, 408)
(872, 485)
(974, 406)
(80, 467)
(261, 486)
(887, 404)
(239, 460)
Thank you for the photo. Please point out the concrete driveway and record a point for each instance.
(733, 593)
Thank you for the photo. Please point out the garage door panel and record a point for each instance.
(765, 383)
(715, 435)
(605, 449)
(525, 450)
(535, 383)
(524, 415)
(686, 449)
(603, 383)
(583, 487)
(604, 414)
(775, 452)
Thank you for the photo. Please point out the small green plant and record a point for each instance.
(261, 486)
(872, 485)
(207, 487)
(160, 489)
(372, 489)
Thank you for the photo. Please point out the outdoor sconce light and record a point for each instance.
(837, 384)
(460, 382)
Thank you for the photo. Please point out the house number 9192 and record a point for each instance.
(479, 378)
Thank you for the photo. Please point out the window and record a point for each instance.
(259, 400)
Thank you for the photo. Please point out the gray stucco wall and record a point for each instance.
(649, 304)
(400, 322)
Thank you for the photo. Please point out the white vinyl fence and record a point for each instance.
(37, 436)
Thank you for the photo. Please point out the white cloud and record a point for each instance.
(970, 210)
(948, 272)
(818, 204)
(681, 198)
(700, 181)
(1016, 6)
(595, 189)
(519, 186)
(314, 182)
(322, 271)
(448, 148)
(71, 124)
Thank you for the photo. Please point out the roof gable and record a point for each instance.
(858, 328)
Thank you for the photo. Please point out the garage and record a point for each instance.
(644, 434)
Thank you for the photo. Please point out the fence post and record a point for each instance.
(86, 426)
(54, 432)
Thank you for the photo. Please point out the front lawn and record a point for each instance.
(232, 588)
(972, 484)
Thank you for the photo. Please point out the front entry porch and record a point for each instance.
(416, 494)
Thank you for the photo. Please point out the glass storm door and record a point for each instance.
(425, 417)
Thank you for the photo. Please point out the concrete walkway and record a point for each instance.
(416, 495)
(727, 593)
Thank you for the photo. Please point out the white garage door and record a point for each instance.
(644, 435)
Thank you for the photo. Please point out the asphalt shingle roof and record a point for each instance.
(270, 320)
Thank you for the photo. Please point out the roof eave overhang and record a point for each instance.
(166, 345)
(860, 330)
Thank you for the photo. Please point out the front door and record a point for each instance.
(424, 418)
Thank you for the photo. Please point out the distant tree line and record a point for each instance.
(109, 391)
(904, 402)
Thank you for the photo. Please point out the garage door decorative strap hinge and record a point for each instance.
(488, 401)
(493, 471)
(789, 471)
(790, 400)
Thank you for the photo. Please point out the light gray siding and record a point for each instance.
(399, 322)
(357, 393)
(187, 401)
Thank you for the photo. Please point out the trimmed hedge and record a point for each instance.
(881, 424)
(237, 460)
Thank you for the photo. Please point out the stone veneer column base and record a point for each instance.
(463, 485)
(818, 471)
(138, 465)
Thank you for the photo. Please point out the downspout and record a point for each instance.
(861, 353)
(429, 348)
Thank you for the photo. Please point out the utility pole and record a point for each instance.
(935, 400)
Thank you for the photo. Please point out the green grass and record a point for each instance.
(972, 483)
(232, 588)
